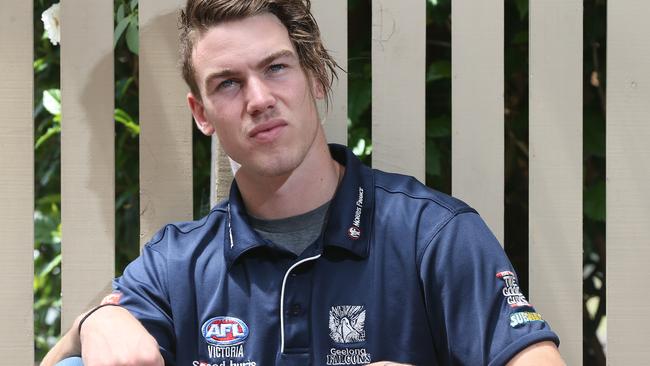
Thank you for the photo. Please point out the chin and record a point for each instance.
(273, 167)
(278, 169)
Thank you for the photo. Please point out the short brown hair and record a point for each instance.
(295, 15)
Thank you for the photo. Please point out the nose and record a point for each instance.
(259, 97)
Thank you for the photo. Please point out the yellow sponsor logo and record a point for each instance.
(524, 317)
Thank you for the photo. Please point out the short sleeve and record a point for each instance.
(143, 291)
(476, 311)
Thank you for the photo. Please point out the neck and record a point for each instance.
(307, 187)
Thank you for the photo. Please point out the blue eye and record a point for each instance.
(277, 67)
(226, 84)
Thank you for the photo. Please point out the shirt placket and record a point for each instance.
(295, 309)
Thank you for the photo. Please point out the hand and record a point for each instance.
(113, 337)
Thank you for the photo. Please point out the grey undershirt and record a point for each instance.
(294, 233)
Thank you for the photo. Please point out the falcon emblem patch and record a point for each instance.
(347, 324)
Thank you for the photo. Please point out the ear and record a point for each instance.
(317, 89)
(198, 111)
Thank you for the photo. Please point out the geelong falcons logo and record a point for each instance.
(347, 324)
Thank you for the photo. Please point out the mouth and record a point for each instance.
(267, 131)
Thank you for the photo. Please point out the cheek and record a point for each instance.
(225, 119)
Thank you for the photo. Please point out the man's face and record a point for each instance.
(255, 95)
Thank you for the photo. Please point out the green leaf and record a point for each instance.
(125, 119)
(119, 29)
(134, 4)
(122, 86)
(56, 261)
(52, 101)
(49, 199)
(522, 7)
(40, 64)
(433, 2)
(594, 202)
(132, 41)
(119, 16)
(439, 70)
(46, 136)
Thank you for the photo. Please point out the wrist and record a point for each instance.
(85, 316)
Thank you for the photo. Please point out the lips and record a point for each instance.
(267, 131)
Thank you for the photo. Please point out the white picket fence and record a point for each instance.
(398, 64)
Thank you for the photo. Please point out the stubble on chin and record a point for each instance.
(274, 167)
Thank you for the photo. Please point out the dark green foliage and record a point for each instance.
(594, 257)
(47, 212)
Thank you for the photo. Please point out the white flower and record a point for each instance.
(51, 21)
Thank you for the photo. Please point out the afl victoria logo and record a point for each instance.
(224, 331)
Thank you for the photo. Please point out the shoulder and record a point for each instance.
(397, 193)
(187, 234)
(441, 222)
(408, 188)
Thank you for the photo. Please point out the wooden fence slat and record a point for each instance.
(628, 179)
(87, 154)
(16, 183)
(332, 16)
(398, 86)
(477, 150)
(165, 121)
(221, 176)
(555, 203)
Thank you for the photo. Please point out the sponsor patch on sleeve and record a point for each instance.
(511, 290)
(524, 317)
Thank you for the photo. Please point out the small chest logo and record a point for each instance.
(347, 324)
(224, 331)
(354, 232)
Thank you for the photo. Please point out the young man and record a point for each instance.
(314, 259)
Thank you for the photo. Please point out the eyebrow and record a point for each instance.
(274, 56)
(226, 73)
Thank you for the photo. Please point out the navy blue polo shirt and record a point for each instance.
(400, 273)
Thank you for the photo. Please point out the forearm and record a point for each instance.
(133, 346)
(68, 346)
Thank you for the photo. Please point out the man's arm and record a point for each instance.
(538, 354)
(68, 346)
(542, 353)
(110, 336)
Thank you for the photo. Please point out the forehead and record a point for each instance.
(239, 42)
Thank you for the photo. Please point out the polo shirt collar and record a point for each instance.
(349, 216)
(349, 224)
